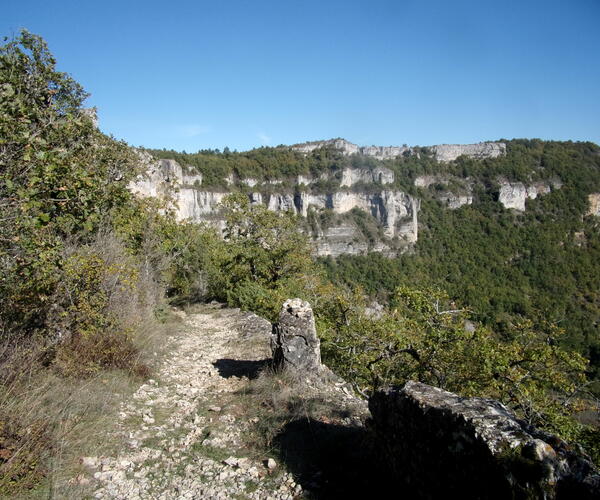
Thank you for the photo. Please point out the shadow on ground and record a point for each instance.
(240, 368)
(331, 460)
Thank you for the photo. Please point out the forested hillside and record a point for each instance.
(542, 264)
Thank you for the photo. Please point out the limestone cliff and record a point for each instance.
(594, 204)
(514, 195)
(442, 152)
(333, 199)
(394, 210)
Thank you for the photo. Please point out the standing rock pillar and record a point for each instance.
(294, 340)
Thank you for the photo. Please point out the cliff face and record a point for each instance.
(395, 211)
(594, 204)
(389, 221)
(514, 195)
(442, 152)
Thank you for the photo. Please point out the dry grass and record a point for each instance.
(59, 399)
(48, 421)
(279, 398)
(307, 427)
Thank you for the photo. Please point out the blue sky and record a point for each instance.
(198, 74)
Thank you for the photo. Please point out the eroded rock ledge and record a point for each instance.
(439, 445)
(442, 152)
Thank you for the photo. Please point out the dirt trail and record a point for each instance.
(185, 429)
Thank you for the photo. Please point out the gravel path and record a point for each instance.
(185, 429)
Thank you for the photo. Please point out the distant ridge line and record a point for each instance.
(442, 152)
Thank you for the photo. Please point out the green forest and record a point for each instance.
(542, 264)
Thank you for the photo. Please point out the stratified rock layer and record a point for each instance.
(440, 445)
(442, 152)
(371, 189)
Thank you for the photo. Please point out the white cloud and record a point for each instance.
(264, 139)
(192, 130)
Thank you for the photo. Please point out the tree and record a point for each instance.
(423, 337)
(59, 177)
(265, 255)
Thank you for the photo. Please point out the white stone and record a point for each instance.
(249, 182)
(594, 204)
(450, 152)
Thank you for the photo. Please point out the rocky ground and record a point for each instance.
(190, 432)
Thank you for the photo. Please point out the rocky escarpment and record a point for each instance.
(440, 445)
(161, 175)
(515, 194)
(395, 211)
(450, 152)
(511, 195)
(331, 198)
(442, 152)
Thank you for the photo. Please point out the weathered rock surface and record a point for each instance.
(454, 201)
(381, 175)
(162, 175)
(450, 152)
(442, 152)
(441, 445)
(394, 210)
(594, 204)
(342, 240)
(294, 341)
(514, 194)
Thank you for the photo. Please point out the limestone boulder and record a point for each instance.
(294, 341)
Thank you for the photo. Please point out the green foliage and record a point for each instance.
(59, 177)
(541, 264)
(425, 336)
(263, 257)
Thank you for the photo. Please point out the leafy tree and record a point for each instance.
(264, 256)
(427, 337)
(60, 178)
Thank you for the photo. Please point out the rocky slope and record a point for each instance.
(191, 431)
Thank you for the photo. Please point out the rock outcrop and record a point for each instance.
(594, 204)
(514, 194)
(454, 201)
(381, 175)
(439, 445)
(395, 210)
(161, 176)
(450, 152)
(294, 340)
(442, 152)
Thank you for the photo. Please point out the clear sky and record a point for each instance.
(199, 74)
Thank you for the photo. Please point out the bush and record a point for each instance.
(101, 299)
(263, 258)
